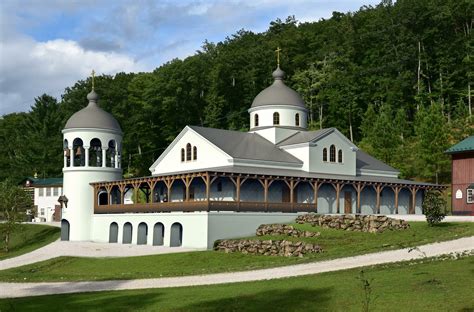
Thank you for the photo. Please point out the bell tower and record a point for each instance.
(92, 142)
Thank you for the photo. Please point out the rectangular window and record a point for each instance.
(42, 211)
(470, 196)
(48, 191)
(41, 192)
(56, 191)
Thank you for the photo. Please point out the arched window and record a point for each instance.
(332, 153)
(339, 156)
(297, 119)
(255, 120)
(95, 153)
(182, 154)
(188, 151)
(111, 151)
(276, 118)
(67, 154)
(79, 153)
(195, 153)
(325, 154)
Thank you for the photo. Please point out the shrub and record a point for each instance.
(434, 207)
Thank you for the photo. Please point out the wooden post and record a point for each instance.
(316, 185)
(378, 189)
(239, 183)
(208, 188)
(108, 189)
(413, 191)
(151, 185)
(359, 189)
(396, 191)
(122, 192)
(265, 193)
(96, 194)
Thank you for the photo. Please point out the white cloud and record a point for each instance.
(31, 68)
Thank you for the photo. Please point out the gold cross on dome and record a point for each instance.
(278, 50)
(93, 79)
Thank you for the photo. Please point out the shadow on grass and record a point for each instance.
(103, 301)
(299, 299)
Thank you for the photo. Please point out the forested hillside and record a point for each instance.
(395, 78)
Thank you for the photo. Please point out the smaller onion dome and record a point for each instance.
(92, 116)
(278, 93)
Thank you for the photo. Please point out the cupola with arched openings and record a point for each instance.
(278, 106)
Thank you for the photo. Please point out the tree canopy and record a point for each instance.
(395, 78)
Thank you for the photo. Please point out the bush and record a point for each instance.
(434, 207)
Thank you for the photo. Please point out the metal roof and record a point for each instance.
(278, 93)
(299, 174)
(367, 162)
(245, 145)
(92, 116)
(45, 182)
(465, 145)
(305, 136)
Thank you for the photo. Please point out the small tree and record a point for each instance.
(14, 202)
(434, 207)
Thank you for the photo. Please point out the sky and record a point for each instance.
(48, 45)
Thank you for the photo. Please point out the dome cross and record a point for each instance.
(93, 79)
(278, 50)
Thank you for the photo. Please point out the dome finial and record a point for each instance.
(93, 97)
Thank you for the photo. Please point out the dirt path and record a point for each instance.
(35, 289)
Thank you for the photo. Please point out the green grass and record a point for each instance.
(336, 244)
(429, 286)
(29, 237)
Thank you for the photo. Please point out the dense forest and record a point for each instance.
(395, 78)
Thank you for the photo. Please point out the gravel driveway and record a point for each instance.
(10, 290)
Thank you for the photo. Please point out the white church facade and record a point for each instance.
(213, 184)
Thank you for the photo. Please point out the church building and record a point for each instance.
(213, 184)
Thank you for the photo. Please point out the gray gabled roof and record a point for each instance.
(367, 162)
(245, 145)
(305, 136)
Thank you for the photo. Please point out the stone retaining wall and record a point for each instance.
(268, 247)
(283, 229)
(358, 223)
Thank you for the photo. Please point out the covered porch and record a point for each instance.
(246, 192)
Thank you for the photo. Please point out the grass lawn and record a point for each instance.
(29, 237)
(336, 244)
(423, 286)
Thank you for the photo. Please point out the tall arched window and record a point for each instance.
(95, 153)
(297, 119)
(79, 153)
(188, 151)
(182, 154)
(195, 153)
(276, 118)
(339, 156)
(325, 154)
(110, 160)
(332, 153)
(67, 154)
(255, 120)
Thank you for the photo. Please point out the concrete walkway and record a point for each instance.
(87, 249)
(10, 290)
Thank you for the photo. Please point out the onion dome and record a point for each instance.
(92, 116)
(278, 93)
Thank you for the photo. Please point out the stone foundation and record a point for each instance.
(268, 247)
(358, 223)
(283, 229)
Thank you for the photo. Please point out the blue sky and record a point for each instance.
(47, 45)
